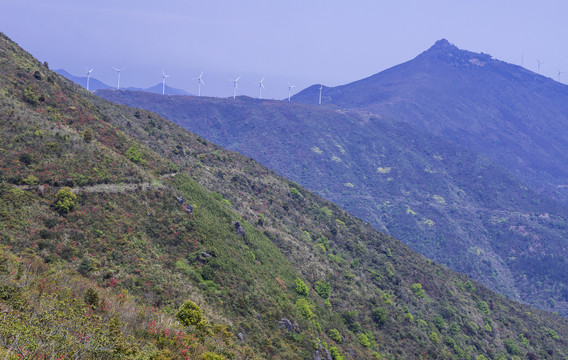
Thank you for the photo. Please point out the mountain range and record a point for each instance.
(124, 236)
(95, 84)
(399, 152)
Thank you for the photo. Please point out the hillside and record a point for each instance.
(446, 202)
(513, 116)
(307, 279)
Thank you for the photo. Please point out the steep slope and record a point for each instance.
(444, 201)
(366, 296)
(511, 115)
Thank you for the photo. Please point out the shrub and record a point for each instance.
(65, 200)
(334, 352)
(334, 335)
(91, 297)
(190, 314)
(323, 289)
(417, 290)
(364, 340)
(379, 315)
(87, 135)
(439, 322)
(211, 356)
(303, 307)
(483, 307)
(135, 155)
(301, 287)
(295, 192)
(30, 96)
(512, 347)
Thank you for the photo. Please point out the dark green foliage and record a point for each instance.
(323, 289)
(87, 136)
(512, 347)
(85, 267)
(439, 322)
(91, 297)
(379, 315)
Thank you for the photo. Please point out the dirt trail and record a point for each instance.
(109, 188)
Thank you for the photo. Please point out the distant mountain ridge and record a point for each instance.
(516, 117)
(95, 84)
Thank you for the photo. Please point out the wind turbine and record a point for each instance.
(260, 87)
(290, 90)
(199, 83)
(88, 76)
(560, 73)
(118, 70)
(539, 63)
(319, 102)
(235, 86)
(164, 76)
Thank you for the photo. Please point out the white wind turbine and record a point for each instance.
(235, 86)
(88, 76)
(118, 70)
(164, 76)
(321, 87)
(199, 83)
(260, 87)
(560, 73)
(290, 86)
(539, 63)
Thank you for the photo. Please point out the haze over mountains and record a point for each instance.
(95, 84)
(459, 155)
(112, 217)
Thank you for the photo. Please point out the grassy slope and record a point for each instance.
(141, 240)
(446, 202)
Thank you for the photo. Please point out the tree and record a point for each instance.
(301, 287)
(379, 315)
(323, 289)
(190, 314)
(65, 200)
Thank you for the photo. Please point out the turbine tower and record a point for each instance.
(560, 73)
(319, 103)
(539, 63)
(260, 87)
(235, 86)
(290, 90)
(88, 76)
(164, 76)
(118, 70)
(199, 83)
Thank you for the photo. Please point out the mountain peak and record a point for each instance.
(443, 45)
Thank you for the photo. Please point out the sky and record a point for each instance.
(301, 42)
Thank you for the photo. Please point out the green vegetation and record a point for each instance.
(65, 200)
(129, 267)
(445, 200)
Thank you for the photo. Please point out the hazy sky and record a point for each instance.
(330, 42)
